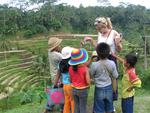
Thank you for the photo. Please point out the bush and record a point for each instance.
(53, 25)
(27, 97)
(28, 34)
(56, 25)
(40, 29)
(145, 77)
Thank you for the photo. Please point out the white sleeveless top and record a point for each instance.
(109, 40)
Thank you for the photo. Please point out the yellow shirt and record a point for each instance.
(130, 79)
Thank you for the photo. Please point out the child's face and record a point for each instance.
(126, 64)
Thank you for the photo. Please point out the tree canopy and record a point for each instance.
(131, 20)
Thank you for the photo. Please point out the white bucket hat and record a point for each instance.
(66, 52)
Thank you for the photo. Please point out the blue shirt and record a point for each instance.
(65, 78)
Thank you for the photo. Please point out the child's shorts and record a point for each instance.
(103, 99)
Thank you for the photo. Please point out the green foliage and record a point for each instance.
(39, 29)
(27, 97)
(18, 99)
(28, 34)
(56, 25)
(5, 43)
(145, 77)
(140, 101)
(32, 97)
(50, 17)
(40, 66)
(2, 88)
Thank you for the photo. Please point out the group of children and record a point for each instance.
(72, 66)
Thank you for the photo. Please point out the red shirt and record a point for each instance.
(78, 78)
(132, 75)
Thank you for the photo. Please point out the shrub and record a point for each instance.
(145, 77)
(39, 29)
(27, 97)
(28, 34)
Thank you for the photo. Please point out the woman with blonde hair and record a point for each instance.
(106, 34)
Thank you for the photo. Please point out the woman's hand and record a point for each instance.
(117, 39)
(118, 43)
(81, 43)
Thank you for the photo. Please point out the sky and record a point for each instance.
(86, 3)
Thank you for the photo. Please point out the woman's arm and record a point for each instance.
(118, 58)
(117, 40)
(94, 42)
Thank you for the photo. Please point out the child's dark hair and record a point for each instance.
(75, 68)
(103, 50)
(131, 59)
(64, 65)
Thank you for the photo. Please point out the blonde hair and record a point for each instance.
(109, 24)
(105, 21)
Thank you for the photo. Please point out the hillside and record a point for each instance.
(22, 87)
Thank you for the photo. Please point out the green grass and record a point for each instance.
(141, 104)
(142, 97)
(11, 59)
(41, 46)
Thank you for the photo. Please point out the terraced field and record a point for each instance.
(16, 72)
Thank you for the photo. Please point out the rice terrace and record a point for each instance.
(24, 35)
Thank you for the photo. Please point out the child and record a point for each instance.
(80, 79)
(129, 82)
(64, 73)
(103, 96)
(54, 57)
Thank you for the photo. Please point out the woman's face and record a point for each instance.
(100, 27)
(58, 48)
